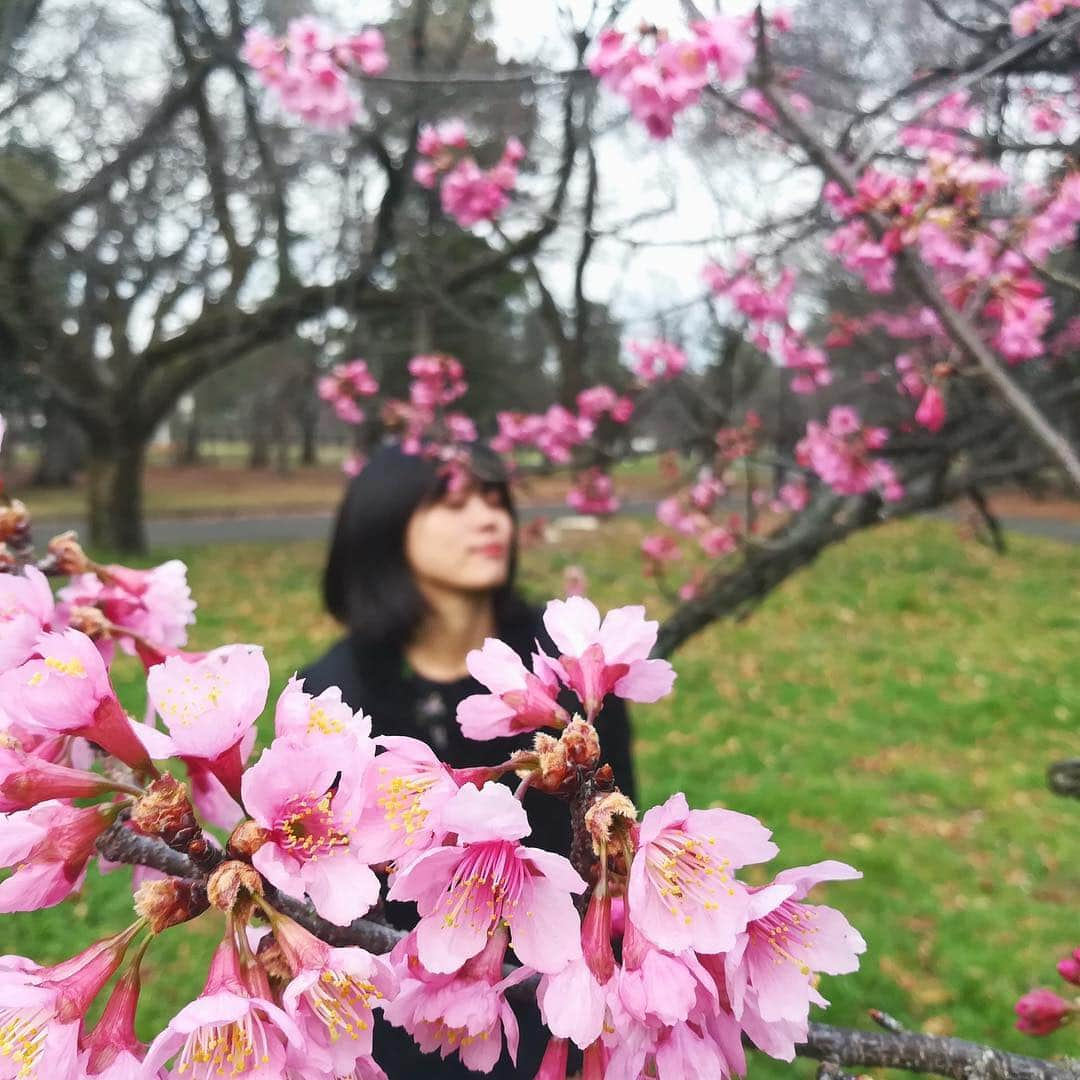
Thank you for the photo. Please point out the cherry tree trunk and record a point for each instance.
(115, 496)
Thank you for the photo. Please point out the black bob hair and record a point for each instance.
(367, 583)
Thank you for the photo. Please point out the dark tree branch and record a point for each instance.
(934, 1054)
(60, 209)
(120, 844)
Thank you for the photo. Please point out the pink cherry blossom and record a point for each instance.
(404, 794)
(609, 657)
(210, 705)
(1040, 1012)
(558, 431)
(718, 541)
(64, 689)
(704, 1047)
(112, 1051)
(437, 380)
(593, 493)
(306, 69)
(367, 50)
(291, 792)
(786, 942)
(596, 402)
(464, 891)
(573, 1002)
(728, 46)
(49, 847)
(675, 514)
(683, 893)
(1054, 226)
(657, 361)
(660, 549)
(1069, 967)
(520, 700)
(931, 410)
(660, 84)
(42, 1009)
(226, 1029)
(155, 604)
(864, 256)
(668, 1017)
(795, 495)
(707, 488)
(553, 1065)
(470, 195)
(302, 718)
(465, 1011)
(331, 996)
(354, 465)
(425, 174)
(26, 609)
(1025, 18)
(656, 988)
(838, 451)
(26, 780)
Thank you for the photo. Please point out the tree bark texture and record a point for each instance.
(115, 497)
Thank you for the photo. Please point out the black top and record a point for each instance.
(401, 702)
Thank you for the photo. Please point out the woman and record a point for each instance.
(420, 572)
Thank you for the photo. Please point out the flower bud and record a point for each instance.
(1069, 968)
(91, 621)
(581, 743)
(14, 521)
(609, 816)
(553, 769)
(165, 810)
(232, 883)
(553, 1066)
(596, 936)
(274, 962)
(170, 902)
(1041, 1011)
(246, 839)
(69, 555)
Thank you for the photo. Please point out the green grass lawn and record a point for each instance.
(895, 707)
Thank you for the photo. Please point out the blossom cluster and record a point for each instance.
(839, 452)
(700, 515)
(660, 76)
(308, 69)
(766, 307)
(325, 812)
(657, 361)
(423, 422)
(467, 193)
(1042, 1011)
(344, 386)
(1027, 16)
(932, 212)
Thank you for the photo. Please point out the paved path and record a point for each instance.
(180, 532)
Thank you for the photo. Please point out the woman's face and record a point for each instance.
(461, 541)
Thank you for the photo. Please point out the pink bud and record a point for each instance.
(1069, 969)
(596, 937)
(931, 410)
(553, 1067)
(1041, 1011)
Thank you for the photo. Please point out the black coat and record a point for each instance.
(400, 702)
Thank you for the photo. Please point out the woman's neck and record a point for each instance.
(455, 623)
